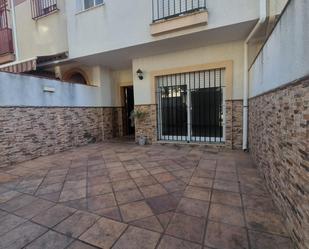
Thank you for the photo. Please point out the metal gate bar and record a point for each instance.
(166, 9)
(191, 106)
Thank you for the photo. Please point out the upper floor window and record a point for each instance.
(42, 7)
(87, 4)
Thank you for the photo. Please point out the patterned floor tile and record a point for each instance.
(137, 238)
(50, 240)
(186, 227)
(76, 224)
(224, 236)
(103, 233)
(169, 242)
(135, 211)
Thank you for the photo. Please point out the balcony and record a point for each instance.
(173, 15)
(41, 8)
(6, 41)
(167, 9)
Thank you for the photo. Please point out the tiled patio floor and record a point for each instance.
(123, 196)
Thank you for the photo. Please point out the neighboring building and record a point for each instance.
(189, 54)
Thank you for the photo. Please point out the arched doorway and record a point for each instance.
(76, 76)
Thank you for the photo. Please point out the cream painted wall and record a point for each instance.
(285, 56)
(45, 36)
(276, 6)
(93, 72)
(108, 81)
(111, 27)
(210, 54)
(121, 78)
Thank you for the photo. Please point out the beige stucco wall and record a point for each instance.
(93, 73)
(121, 78)
(45, 36)
(103, 28)
(276, 6)
(210, 54)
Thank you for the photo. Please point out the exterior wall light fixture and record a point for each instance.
(140, 75)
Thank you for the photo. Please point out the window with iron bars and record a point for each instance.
(3, 14)
(191, 106)
(41, 8)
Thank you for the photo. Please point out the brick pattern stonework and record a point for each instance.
(148, 125)
(279, 142)
(112, 122)
(30, 132)
(234, 117)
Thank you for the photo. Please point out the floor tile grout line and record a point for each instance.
(174, 213)
(78, 238)
(87, 182)
(208, 213)
(243, 209)
(242, 195)
(118, 206)
(117, 203)
(52, 228)
(34, 194)
(25, 220)
(38, 224)
(35, 239)
(31, 219)
(168, 193)
(124, 231)
(84, 242)
(64, 181)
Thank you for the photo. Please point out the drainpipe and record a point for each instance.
(262, 20)
(14, 31)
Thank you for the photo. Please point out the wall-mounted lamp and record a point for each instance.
(139, 73)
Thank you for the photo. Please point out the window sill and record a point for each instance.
(94, 7)
(48, 14)
(178, 23)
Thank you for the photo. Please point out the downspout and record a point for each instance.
(14, 31)
(262, 20)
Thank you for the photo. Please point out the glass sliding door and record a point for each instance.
(191, 106)
(172, 103)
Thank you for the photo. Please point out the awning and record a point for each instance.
(20, 66)
(33, 63)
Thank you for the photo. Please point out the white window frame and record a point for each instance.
(80, 5)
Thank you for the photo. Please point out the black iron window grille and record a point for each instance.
(3, 14)
(191, 106)
(41, 8)
(165, 9)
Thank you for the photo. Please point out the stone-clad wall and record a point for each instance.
(148, 125)
(279, 145)
(112, 120)
(30, 132)
(233, 127)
